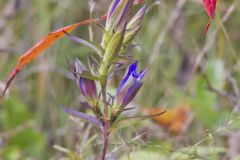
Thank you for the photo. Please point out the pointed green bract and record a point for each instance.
(118, 14)
(119, 31)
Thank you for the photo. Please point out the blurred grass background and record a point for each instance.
(184, 69)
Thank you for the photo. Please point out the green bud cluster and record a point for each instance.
(119, 32)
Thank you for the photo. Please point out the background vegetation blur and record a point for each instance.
(196, 78)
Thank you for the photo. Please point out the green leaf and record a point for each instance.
(196, 153)
(14, 113)
(88, 75)
(143, 155)
(205, 101)
(29, 142)
(216, 73)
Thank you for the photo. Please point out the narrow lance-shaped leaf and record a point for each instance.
(37, 49)
(43, 44)
(84, 42)
(210, 6)
(87, 117)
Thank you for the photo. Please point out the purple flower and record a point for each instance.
(87, 86)
(113, 7)
(118, 14)
(130, 85)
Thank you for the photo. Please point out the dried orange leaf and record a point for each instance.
(174, 120)
(37, 49)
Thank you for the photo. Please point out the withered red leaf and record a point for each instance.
(210, 7)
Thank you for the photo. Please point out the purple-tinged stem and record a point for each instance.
(106, 125)
(105, 143)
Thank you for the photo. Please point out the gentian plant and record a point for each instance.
(121, 26)
(120, 29)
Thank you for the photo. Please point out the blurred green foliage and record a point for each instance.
(22, 140)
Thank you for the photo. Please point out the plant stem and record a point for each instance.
(104, 95)
(106, 124)
(105, 143)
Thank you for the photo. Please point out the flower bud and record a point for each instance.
(129, 86)
(112, 50)
(87, 86)
(118, 15)
(134, 25)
